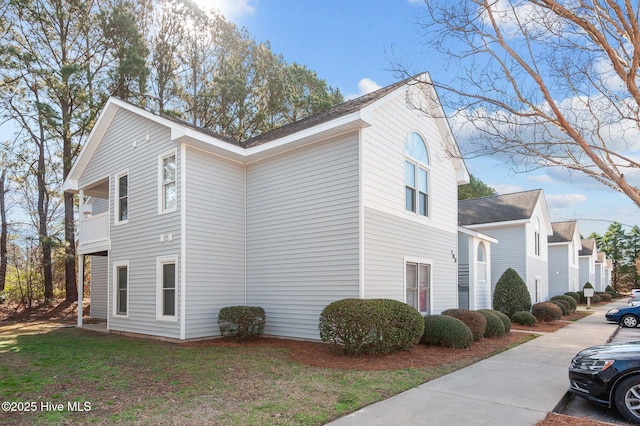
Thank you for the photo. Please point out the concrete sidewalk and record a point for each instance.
(517, 387)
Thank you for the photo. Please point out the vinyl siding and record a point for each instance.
(138, 241)
(303, 234)
(215, 240)
(510, 252)
(390, 232)
(99, 286)
(388, 240)
(559, 279)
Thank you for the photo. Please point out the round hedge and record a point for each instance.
(446, 331)
(495, 327)
(511, 294)
(373, 326)
(573, 305)
(573, 295)
(505, 319)
(606, 297)
(476, 322)
(525, 318)
(563, 307)
(546, 311)
(241, 322)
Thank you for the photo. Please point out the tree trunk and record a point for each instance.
(3, 231)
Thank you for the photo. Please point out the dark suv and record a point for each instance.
(609, 374)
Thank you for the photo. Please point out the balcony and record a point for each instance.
(94, 234)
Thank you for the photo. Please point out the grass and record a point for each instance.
(125, 380)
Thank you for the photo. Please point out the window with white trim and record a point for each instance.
(122, 198)
(418, 283)
(416, 175)
(167, 278)
(121, 288)
(168, 190)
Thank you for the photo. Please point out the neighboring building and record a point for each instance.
(474, 270)
(587, 261)
(600, 272)
(564, 268)
(358, 201)
(520, 222)
(608, 270)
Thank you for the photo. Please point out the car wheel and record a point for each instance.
(627, 398)
(629, 321)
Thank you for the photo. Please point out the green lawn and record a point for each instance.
(121, 380)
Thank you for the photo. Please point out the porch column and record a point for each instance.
(80, 287)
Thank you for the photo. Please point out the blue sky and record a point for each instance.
(353, 44)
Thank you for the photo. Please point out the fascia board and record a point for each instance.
(479, 235)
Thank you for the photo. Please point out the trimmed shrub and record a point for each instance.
(574, 295)
(561, 304)
(505, 319)
(546, 311)
(495, 327)
(511, 294)
(610, 290)
(605, 297)
(583, 299)
(524, 318)
(573, 305)
(596, 298)
(373, 326)
(241, 322)
(473, 319)
(446, 331)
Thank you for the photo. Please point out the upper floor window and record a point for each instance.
(168, 190)
(122, 198)
(416, 175)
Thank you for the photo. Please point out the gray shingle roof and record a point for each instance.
(328, 115)
(562, 232)
(587, 247)
(498, 208)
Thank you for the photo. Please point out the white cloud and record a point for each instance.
(231, 9)
(366, 85)
(564, 201)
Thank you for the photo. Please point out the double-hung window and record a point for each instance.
(121, 280)
(122, 198)
(168, 191)
(418, 283)
(416, 169)
(166, 301)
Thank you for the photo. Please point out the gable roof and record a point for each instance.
(349, 116)
(563, 232)
(588, 247)
(498, 208)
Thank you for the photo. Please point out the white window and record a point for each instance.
(122, 198)
(168, 190)
(166, 295)
(416, 175)
(121, 288)
(418, 284)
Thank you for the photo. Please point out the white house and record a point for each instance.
(521, 224)
(600, 283)
(564, 248)
(358, 201)
(474, 269)
(587, 260)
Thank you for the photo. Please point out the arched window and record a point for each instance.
(416, 175)
(482, 252)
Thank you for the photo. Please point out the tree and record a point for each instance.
(475, 189)
(544, 83)
(613, 244)
(4, 228)
(632, 252)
